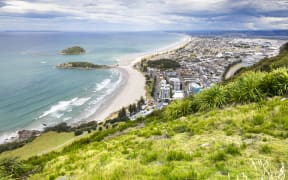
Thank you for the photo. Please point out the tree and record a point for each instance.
(131, 110)
(122, 114)
(134, 106)
(139, 106)
(142, 101)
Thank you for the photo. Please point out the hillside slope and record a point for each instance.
(244, 141)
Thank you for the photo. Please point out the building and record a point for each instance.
(176, 84)
(164, 93)
(178, 95)
(193, 88)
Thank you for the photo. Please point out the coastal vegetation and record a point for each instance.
(163, 64)
(81, 65)
(150, 85)
(234, 130)
(73, 50)
(14, 145)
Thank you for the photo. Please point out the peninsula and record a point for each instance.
(82, 65)
(73, 50)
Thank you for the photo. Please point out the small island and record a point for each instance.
(73, 50)
(82, 65)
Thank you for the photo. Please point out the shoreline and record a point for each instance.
(132, 79)
(125, 93)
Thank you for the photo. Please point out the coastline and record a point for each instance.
(125, 93)
(132, 85)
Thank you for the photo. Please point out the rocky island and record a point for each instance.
(82, 65)
(73, 50)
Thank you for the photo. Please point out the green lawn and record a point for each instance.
(45, 143)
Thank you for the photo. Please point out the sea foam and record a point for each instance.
(58, 110)
(104, 84)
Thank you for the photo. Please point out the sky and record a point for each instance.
(143, 15)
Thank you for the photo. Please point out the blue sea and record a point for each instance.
(33, 92)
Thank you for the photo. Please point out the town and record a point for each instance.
(201, 63)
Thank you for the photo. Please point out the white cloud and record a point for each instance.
(149, 14)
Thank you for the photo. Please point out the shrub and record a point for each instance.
(178, 156)
(62, 127)
(221, 167)
(14, 168)
(78, 132)
(219, 156)
(265, 149)
(232, 149)
(275, 83)
(258, 119)
(149, 157)
(215, 97)
(178, 109)
(246, 88)
(180, 129)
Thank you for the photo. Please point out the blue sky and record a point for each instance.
(141, 15)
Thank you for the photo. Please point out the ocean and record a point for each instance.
(34, 93)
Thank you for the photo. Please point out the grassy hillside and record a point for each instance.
(236, 130)
(43, 143)
(243, 141)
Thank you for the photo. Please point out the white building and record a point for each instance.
(164, 93)
(176, 84)
(178, 95)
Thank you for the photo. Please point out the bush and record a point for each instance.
(178, 156)
(78, 133)
(258, 119)
(212, 98)
(14, 168)
(149, 157)
(62, 127)
(181, 129)
(275, 83)
(265, 149)
(178, 109)
(246, 88)
(219, 156)
(232, 149)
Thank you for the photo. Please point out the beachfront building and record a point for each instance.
(164, 93)
(176, 84)
(193, 88)
(178, 95)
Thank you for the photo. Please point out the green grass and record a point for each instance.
(208, 153)
(44, 143)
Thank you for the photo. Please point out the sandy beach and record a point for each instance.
(132, 86)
